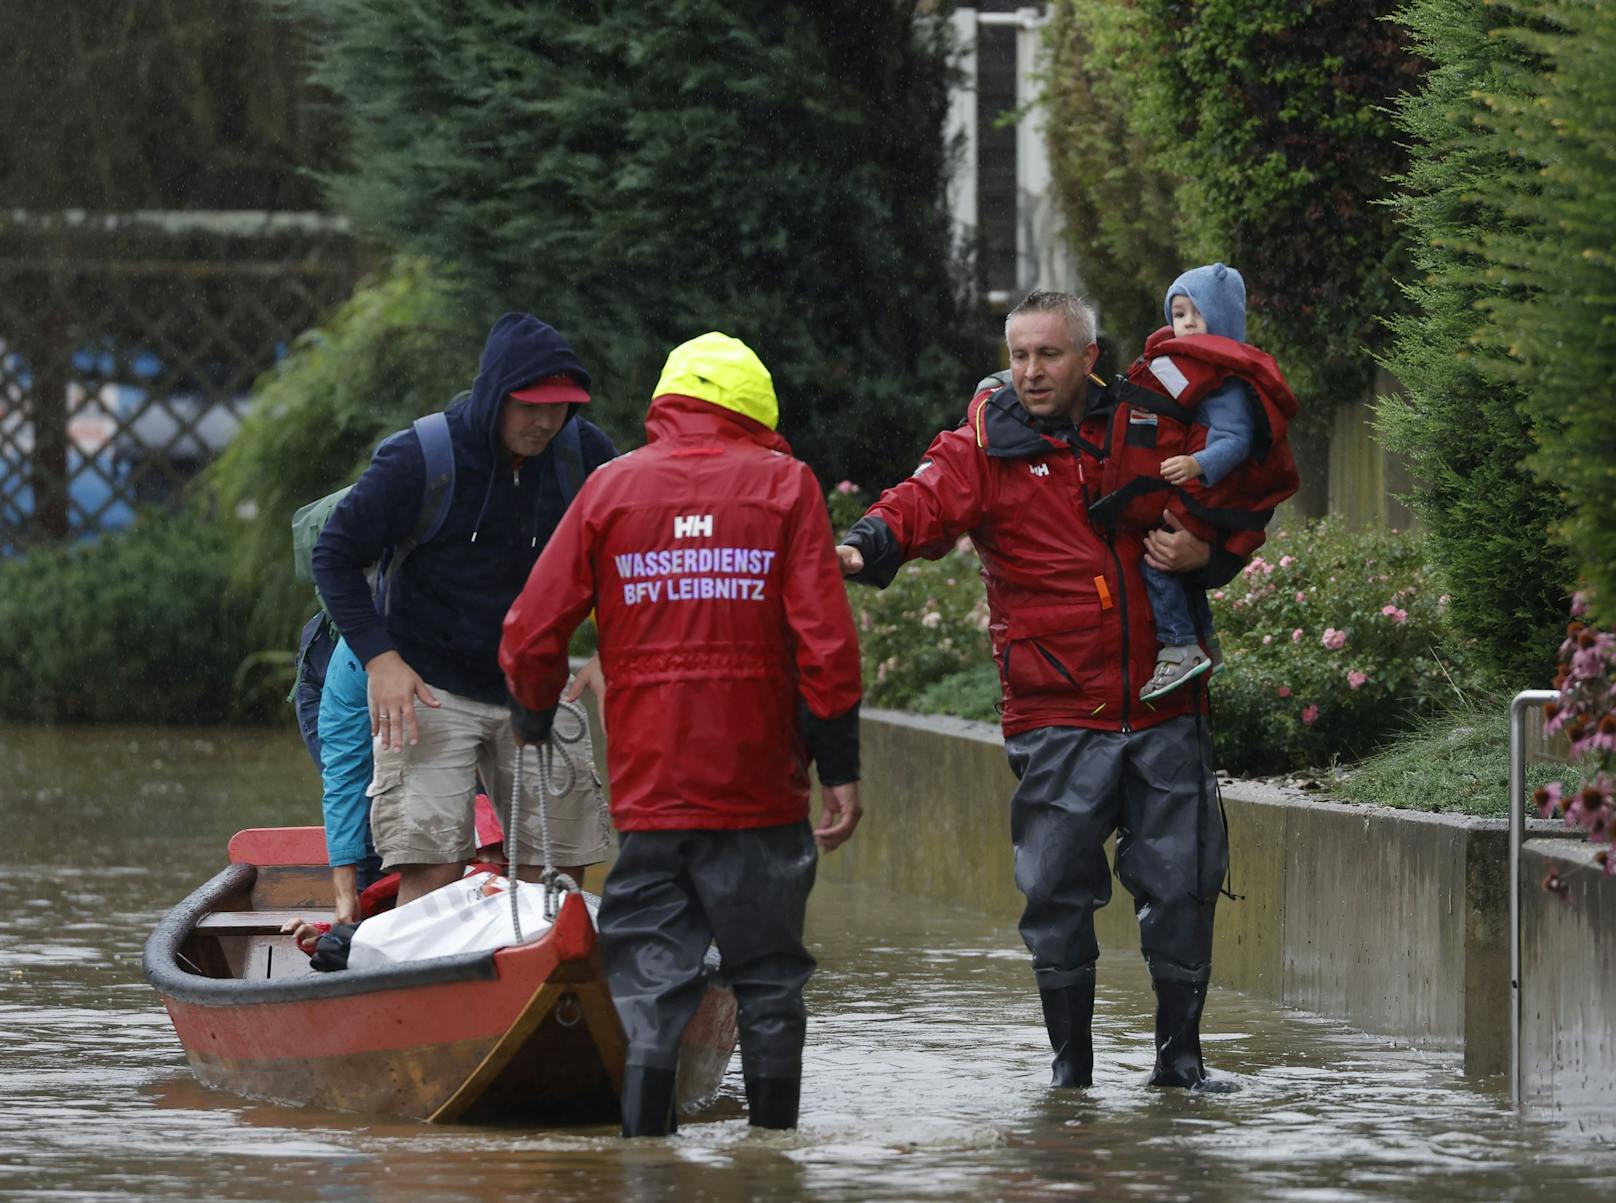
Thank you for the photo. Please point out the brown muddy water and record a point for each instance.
(925, 1067)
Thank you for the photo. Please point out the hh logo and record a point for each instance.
(1038, 469)
(690, 526)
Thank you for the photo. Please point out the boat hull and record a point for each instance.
(520, 1035)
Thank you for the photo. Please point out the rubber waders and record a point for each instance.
(648, 1101)
(1068, 1015)
(772, 1102)
(1178, 1038)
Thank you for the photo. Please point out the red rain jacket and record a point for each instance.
(708, 559)
(1070, 624)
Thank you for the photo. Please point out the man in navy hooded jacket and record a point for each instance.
(437, 693)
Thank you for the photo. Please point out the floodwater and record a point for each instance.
(926, 1067)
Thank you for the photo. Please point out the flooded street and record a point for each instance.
(925, 1073)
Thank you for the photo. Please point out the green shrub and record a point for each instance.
(1270, 118)
(1487, 521)
(1550, 307)
(638, 173)
(400, 347)
(1456, 762)
(136, 627)
(1331, 637)
(1118, 209)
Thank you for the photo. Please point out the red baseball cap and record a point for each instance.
(552, 390)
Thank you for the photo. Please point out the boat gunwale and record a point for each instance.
(160, 960)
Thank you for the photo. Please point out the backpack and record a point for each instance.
(318, 638)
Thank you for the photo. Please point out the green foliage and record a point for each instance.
(1330, 638)
(1270, 118)
(188, 104)
(1548, 263)
(138, 627)
(1119, 212)
(399, 348)
(637, 174)
(1487, 520)
(1457, 762)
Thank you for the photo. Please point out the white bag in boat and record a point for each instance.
(471, 915)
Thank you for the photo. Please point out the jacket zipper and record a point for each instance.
(1122, 606)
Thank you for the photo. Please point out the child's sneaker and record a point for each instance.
(1174, 666)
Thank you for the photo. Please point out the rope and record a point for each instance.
(510, 839)
(555, 884)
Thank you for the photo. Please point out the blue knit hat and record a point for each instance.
(1219, 293)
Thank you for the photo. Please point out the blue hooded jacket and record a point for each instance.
(1219, 292)
(447, 601)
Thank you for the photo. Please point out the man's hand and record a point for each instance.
(852, 559)
(591, 678)
(305, 933)
(839, 813)
(1175, 550)
(394, 689)
(1178, 469)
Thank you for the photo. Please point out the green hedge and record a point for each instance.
(1466, 436)
(400, 347)
(1270, 119)
(140, 626)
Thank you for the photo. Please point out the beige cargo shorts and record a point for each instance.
(422, 797)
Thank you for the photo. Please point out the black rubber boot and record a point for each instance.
(1068, 1015)
(1178, 1038)
(773, 1102)
(648, 1101)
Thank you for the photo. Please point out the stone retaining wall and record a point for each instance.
(1568, 983)
(1395, 921)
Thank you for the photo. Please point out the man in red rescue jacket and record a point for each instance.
(1072, 631)
(731, 660)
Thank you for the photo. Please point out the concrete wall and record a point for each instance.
(1568, 982)
(1395, 921)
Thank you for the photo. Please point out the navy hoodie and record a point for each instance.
(448, 599)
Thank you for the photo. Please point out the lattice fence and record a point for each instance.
(128, 348)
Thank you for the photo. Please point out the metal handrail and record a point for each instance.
(1523, 703)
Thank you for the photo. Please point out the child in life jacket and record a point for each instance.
(1202, 301)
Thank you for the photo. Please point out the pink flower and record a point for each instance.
(1267, 639)
(1333, 639)
(1300, 597)
(1310, 715)
(1356, 678)
(1296, 635)
(1579, 603)
(1393, 613)
(1283, 691)
(1443, 600)
(1548, 799)
(846, 487)
(1218, 596)
(1286, 561)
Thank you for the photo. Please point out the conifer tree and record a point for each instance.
(1549, 267)
(637, 174)
(1486, 519)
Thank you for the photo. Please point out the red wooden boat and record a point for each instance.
(526, 1034)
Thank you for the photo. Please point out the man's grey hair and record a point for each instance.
(1079, 314)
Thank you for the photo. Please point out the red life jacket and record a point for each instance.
(1154, 419)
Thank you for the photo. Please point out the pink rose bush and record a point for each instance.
(1291, 697)
(1585, 713)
